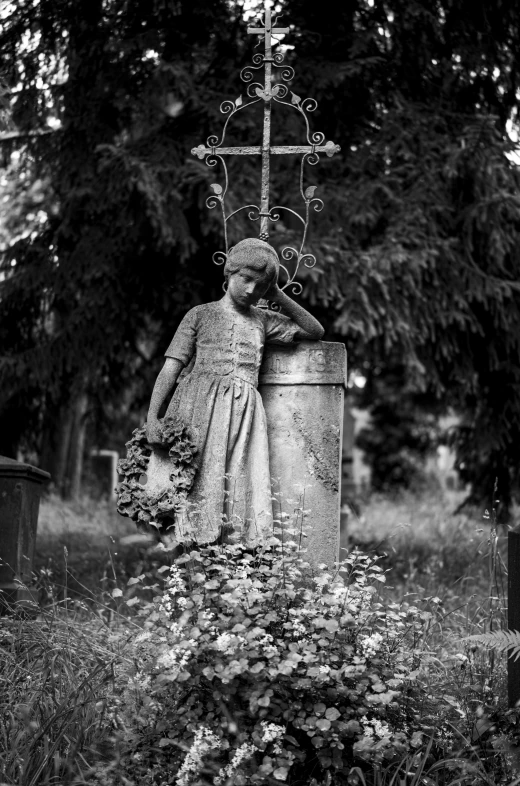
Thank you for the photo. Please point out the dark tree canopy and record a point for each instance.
(418, 247)
(424, 234)
(97, 285)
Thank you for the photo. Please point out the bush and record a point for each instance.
(253, 668)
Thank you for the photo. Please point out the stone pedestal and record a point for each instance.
(303, 388)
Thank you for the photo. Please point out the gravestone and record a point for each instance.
(21, 486)
(303, 389)
(513, 613)
(103, 464)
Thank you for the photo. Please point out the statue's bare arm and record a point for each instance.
(309, 327)
(163, 386)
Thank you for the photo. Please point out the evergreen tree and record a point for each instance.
(421, 246)
(108, 99)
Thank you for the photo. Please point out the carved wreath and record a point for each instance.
(156, 511)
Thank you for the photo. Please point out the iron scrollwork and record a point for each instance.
(215, 150)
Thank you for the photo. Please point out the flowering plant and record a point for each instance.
(254, 668)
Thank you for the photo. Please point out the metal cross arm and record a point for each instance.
(267, 30)
(329, 148)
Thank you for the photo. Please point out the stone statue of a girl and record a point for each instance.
(221, 345)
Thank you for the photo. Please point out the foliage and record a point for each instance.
(419, 246)
(93, 289)
(253, 669)
(403, 431)
(157, 510)
(499, 640)
(442, 563)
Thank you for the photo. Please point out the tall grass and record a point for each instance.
(56, 673)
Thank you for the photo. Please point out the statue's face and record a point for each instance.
(247, 286)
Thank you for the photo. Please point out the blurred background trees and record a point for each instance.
(106, 240)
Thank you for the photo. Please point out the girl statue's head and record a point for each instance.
(255, 255)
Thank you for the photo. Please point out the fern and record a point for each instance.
(500, 640)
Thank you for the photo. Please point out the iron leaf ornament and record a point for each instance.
(215, 150)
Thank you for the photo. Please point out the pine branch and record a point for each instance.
(500, 640)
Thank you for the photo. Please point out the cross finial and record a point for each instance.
(267, 31)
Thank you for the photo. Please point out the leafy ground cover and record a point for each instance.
(233, 668)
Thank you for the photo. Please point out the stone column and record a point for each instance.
(303, 388)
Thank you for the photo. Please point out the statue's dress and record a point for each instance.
(219, 401)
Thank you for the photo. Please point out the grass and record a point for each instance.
(56, 670)
(428, 551)
(55, 675)
(85, 549)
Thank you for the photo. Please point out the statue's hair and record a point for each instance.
(245, 254)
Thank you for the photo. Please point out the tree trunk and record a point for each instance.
(77, 447)
(64, 444)
(64, 428)
(56, 442)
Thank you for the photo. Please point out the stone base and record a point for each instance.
(302, 388)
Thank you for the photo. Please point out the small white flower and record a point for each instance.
(371, 645)
(245, 751)
(223, 642)
(376, 728)
(271, 731)
(203, 743)
(167, 660)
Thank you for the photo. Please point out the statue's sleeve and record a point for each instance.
(184, 342)
(279, 329)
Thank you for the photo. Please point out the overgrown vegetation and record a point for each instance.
(56, 682)
(277, 674)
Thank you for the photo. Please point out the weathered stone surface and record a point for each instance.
(302, 388)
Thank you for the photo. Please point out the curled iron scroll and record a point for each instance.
(219, 258)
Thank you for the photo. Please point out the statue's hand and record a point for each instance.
(274, 293)
(154, 433)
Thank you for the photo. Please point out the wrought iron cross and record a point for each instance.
(214, 150)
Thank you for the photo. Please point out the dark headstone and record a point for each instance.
(21, 486)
